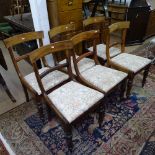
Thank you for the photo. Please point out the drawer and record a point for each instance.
(66, 5)
(70, 16)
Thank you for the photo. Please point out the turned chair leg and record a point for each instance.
(6, 89)
(26, 93)
(123, 88)
(101, 111)
(129, 85)
(39, 104)
(146, 72)
(68, 130)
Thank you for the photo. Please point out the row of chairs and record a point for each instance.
(77, 84)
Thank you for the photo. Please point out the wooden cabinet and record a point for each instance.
(5, 6)
(138, 15)
(65, 11)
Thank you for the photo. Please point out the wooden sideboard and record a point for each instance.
(65, 11)
(150, 31)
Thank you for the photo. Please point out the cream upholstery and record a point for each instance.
(83, 65)
(101, 51)
(73, 99)
(49, 81)
(103, 77)
(131, 62)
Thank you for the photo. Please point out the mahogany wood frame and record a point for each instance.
(51, 49)
(123, 26)
(18, 39)
(86, 36)
(60, 33)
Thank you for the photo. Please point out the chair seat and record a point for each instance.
(103, 77)
(83, 65)
(49, 81)
(131, 62)
(73, 99)
(101, 51)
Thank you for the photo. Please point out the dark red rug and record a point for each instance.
(3, 150)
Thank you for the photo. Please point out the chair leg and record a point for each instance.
(68, 130)
(129, 85)
(101, 114)
(39, 104)
(146, 72)
(123, 88)
(26, 93)
(6, 89)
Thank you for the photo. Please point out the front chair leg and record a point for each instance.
(38, 101)
(123, 88)
(129, 85)
(68, 130)
(101, 112)
(26, 93)
(146, 72)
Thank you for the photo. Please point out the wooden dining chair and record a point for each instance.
(64, 32)
(102, 24)
(70, 101)
(129, 63)
(98, 77)
(29, 82)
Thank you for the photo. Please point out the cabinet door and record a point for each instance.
(138, 18)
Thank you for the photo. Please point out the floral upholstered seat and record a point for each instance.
(101, 51)
(49, 81)
(73, 99)
(104, 78)
(131, 62)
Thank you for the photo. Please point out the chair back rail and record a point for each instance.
(119, 26)
(60, 33)
(100, 23)
(63, 46)
(18, 39)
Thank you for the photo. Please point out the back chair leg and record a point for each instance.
(146, 72)
(129, 85)
(26, 93)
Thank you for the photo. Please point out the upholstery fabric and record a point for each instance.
(83, 65)
(101, 51)
(49, 81)
(73, 99)
(103, 77)
(131, 62)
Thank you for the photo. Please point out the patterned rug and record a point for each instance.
(26, 134)
(149, 147)
(3, 150)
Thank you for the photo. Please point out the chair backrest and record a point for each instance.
(11, 42)
(60, 33)
(81, 37)
(62, 46)
(119, 26)
(95, 23)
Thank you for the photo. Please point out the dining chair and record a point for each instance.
(71, 101)
(126, 62)
(98, 77)
(29, 81)
(102, 24)
(64, 32)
